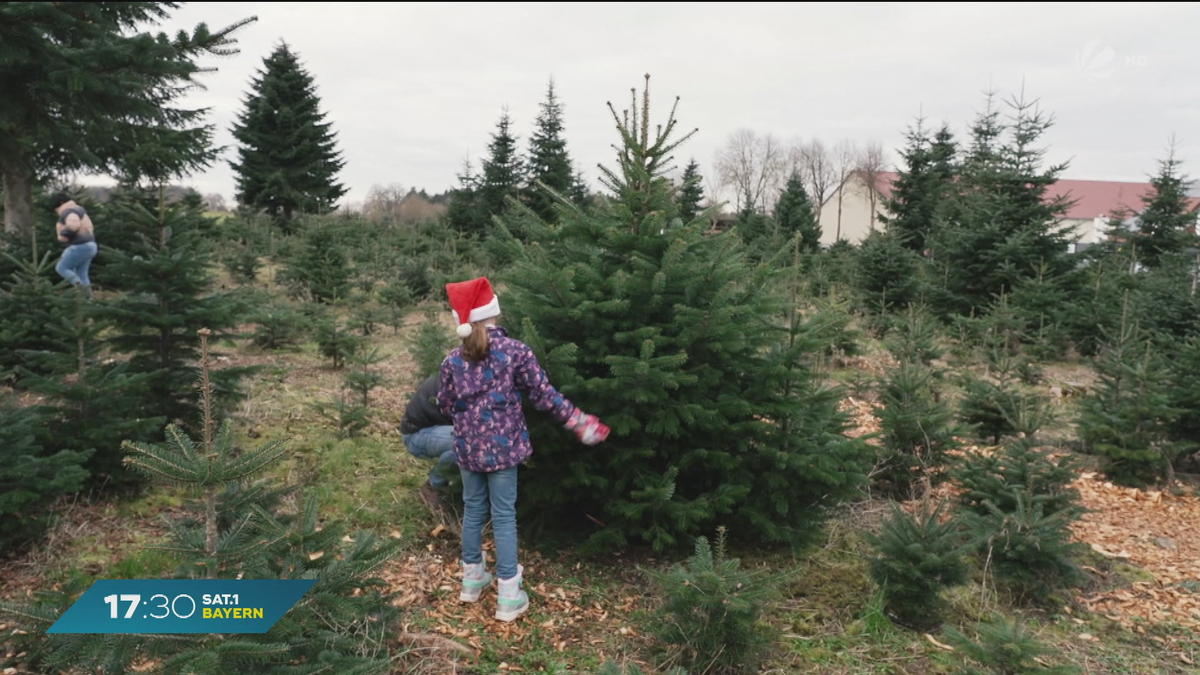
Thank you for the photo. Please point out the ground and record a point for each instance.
(1139, 613)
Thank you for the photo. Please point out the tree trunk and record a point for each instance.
(18, 202)
(842, 189)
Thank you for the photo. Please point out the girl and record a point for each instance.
(482, 383)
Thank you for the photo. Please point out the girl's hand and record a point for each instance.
(587, 428)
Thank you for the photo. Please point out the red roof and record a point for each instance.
(1093, 198)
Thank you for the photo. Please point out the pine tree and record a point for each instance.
(503, 174)
(549, 163)
(464, 215)
(84, 91)
(696, 360)
(287, 158)
(691, 193)
(321, 268)
(922, 185)
(31, 306)
(1006, 647)
(1000, 228)
(30, 478)
(794, 215)
(1125, 418)
(888, 273)
(916, 556)
(169, 296)
(1166, 223)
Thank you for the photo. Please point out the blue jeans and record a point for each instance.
(500, 489)
(433, 443)
(75, 262)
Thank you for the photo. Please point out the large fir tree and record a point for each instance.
(691, 192)
(697, 361)
(503, 173)
(549, 163)
(1001, 227)
(794, 215)
(921, 186)
(1166, 223)
(287, 158)
(85, 91)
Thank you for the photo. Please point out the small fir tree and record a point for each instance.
(287, 156)
(691, 193)
(431, 344)
(917, 428)
(714, 606)
(887, 273)
(503, 174)
(321, 268)
(794, 215)
(921, 186)
(696, 360)
(916, 557)
(280, 326)
(464, 214)
(1006, 647)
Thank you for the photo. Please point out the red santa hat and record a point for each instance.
(473, 300)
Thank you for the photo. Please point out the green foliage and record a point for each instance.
(549, 163)
(917, 428)
(287, 159)
(431, 344)
(242, 263)
(30, 478)
(921, 187)
(1165, 223)
(712, 608)
(168, 296)
(1126, 417)
(349, 417)
(368, 317)
(1184, 394)
(690, 197)
(502, 177)
(693, 357)
(1005, 647)
(32, 307)
(887, 273)
(280, 326)
(1029, 549)
(998, 478)
(613, 668)
(321, 268)
(87, 92)
(832, 323)
(915, 337)
(795, 215)
(362, 378)
(335, 342)
(916, 556)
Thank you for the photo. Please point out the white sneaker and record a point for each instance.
(475, 579)
(513, 601)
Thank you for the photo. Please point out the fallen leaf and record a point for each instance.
(437, 530)
(1088, 637)
(395, 534)
(937, 644)
(316, 555)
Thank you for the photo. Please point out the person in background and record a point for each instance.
(429, 434)
(76, 234)
(483, 383)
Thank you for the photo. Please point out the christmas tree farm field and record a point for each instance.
(586, 610)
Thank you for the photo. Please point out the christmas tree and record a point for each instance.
(691, 193)
(84, 91)
(287, 158)
(794, 215)
(697, 361)
(1166, 224)
(923, 183)
(503, 174)
(31, 306)
(169, 296)
(549, 162)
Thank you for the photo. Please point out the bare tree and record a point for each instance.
(382, 204)
(845, 161)
(753, 166)
(815, 166)
(870, 167)
(215, 202)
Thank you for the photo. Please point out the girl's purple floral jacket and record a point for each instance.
(484, 400)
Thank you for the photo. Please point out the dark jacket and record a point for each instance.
(422, 411)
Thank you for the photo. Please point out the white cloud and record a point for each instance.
(412, 88)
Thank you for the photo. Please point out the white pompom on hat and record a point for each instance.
(473, 299)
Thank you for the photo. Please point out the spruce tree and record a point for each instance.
(169, 296)
(287, 158)
(916, 557)
(464, 215)
(1000, 227)
(30, 478)
(503, 174)
(923, 183)
(888, 274)
(85, 91)
(697, 361)
(549, 162)
(32, 305)
(794, 215)
(1166, 223)
(691, 192)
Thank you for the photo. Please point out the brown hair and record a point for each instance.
(476, 346)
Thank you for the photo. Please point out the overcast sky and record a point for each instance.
(414, 89)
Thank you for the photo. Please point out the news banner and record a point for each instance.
(182, 606)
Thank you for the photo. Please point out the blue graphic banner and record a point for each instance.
(182, 606)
